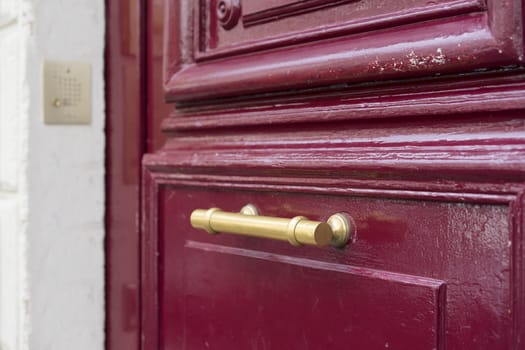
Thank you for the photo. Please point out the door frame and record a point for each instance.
(126, 123)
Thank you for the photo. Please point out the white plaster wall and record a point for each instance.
(51, 182)
(13, 177)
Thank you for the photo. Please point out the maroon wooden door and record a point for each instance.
(135, 107)
(406, 116)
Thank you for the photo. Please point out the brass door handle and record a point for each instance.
(298, 230)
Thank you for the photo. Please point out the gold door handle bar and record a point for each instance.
(298, 230)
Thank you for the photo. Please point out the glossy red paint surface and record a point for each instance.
(125, 146)
(361, 44)
(134, 110)
(437, 207)
(430, 164)
(262, 22)
(223, 290)
(157, 108)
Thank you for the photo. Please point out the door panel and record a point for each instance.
(265, 22)
(408, 116)
(296, 304)
(124, 130)
(418, 274)
(302, 45)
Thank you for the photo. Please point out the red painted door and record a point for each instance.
(406, 116)
(135, 108)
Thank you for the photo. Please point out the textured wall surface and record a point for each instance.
(14, 133)
(51, 182)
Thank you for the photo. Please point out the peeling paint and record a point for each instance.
(411, 61)
(435, 59)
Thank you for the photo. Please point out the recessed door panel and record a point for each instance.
(244, 298)
(225, 48)
(287, 22)
(418, 274)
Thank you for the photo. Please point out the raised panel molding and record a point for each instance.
(358, 296)
(258, 12)
(471, 163)
(437, 100)
(285, 22)
(158, 179)
(424, 41)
